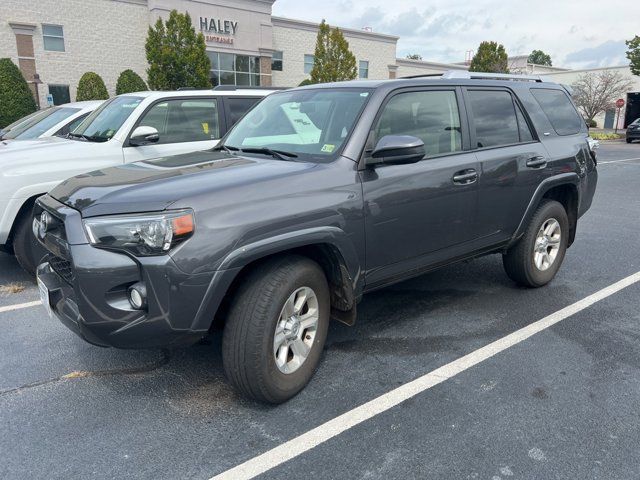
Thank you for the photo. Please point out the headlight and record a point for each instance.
(141, 234)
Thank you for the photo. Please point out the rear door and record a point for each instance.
(421, 213)
(185, 124)
(512, 160)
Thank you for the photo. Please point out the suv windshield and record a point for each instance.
(38, 124)
(311, 124)
(104, 122)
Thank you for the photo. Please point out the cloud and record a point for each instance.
(606, 54)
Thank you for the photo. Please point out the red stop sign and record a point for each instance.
(620, 103)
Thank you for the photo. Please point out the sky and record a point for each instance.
(577, 34)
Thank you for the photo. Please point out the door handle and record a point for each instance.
(465, 177)
(537, 162)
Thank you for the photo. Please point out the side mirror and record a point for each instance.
(397, 150)
(143, 136)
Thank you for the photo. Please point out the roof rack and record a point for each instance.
(466, 75)
(231, 88)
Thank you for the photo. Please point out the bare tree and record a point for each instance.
(594, 93)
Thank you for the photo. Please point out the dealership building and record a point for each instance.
(55, 41)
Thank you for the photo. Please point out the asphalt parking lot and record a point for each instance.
(563, 403)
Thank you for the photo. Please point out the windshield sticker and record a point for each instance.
(364, 94)
(328, 148)
(205, 128)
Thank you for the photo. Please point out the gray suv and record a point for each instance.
(317, 196)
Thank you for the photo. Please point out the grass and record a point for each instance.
(606, 136)
(13, 287)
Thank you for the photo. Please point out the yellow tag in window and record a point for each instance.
(328, 148)
(205, 128)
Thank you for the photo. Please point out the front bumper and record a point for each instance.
(86, 289)
(633, 134)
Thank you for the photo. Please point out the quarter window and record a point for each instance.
(559, 110)
(53, 37)
(494, 116)
(276, 61)
(363, 69)
(432, 116)
(308, 63)
(184, 120)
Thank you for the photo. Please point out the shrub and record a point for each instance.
(606, 136)
(91, 87)
(129, 81)
(591, 123)
(306, 81)
(16, 99)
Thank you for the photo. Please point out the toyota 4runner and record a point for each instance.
(317, 196)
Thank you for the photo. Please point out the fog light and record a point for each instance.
(138, 296)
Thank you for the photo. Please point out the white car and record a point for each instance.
(126, 128)
(53, 121)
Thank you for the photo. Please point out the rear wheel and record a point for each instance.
(26, 247)
(276, 329)
(628, 140)
(537, 256)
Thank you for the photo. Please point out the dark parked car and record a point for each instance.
(633, 131)
(316, 197)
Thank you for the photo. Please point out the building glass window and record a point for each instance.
(53, 37)
(308, 63)
(60, 94)
(231, 69)
(276, 61)
(363, 69)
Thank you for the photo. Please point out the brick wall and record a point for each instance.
(296, 42)
(104, 36)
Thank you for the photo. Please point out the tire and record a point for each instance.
(26, 247)
(529, 268)
(248, 347)
(628, 140)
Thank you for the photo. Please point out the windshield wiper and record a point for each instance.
(77, 135)
(227, 148)
(279, 154)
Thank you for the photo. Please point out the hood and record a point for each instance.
(155, 184)
(32, 156)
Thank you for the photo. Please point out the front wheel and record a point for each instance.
(276, 329)
(536, 258)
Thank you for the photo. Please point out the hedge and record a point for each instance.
(91, 87)
(129, 81)
(16, 99)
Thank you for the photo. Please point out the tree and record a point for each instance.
(306, 81)
(490, 57)
(333, 61)
(129, 81)
(594, 93)
(91, 87)
(177, 56)
(633, 54)
(16, 99)
(538, 57)
(414, 56)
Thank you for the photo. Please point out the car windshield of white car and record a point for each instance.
(104, 122)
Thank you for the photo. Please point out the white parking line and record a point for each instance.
(18, 306)
(322, 433)
(619, 161)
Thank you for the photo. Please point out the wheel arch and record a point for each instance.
(328, 246)
(562, 188)
(24, 209)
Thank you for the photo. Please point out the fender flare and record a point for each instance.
(242, 256)
(570, 178)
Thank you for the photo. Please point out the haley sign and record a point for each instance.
(213, 28)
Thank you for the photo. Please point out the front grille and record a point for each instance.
(63, 268)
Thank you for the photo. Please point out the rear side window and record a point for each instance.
(494, 116)
(238, 107)
(559, 110)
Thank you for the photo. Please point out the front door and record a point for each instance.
(417, 214)
(183, 124)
